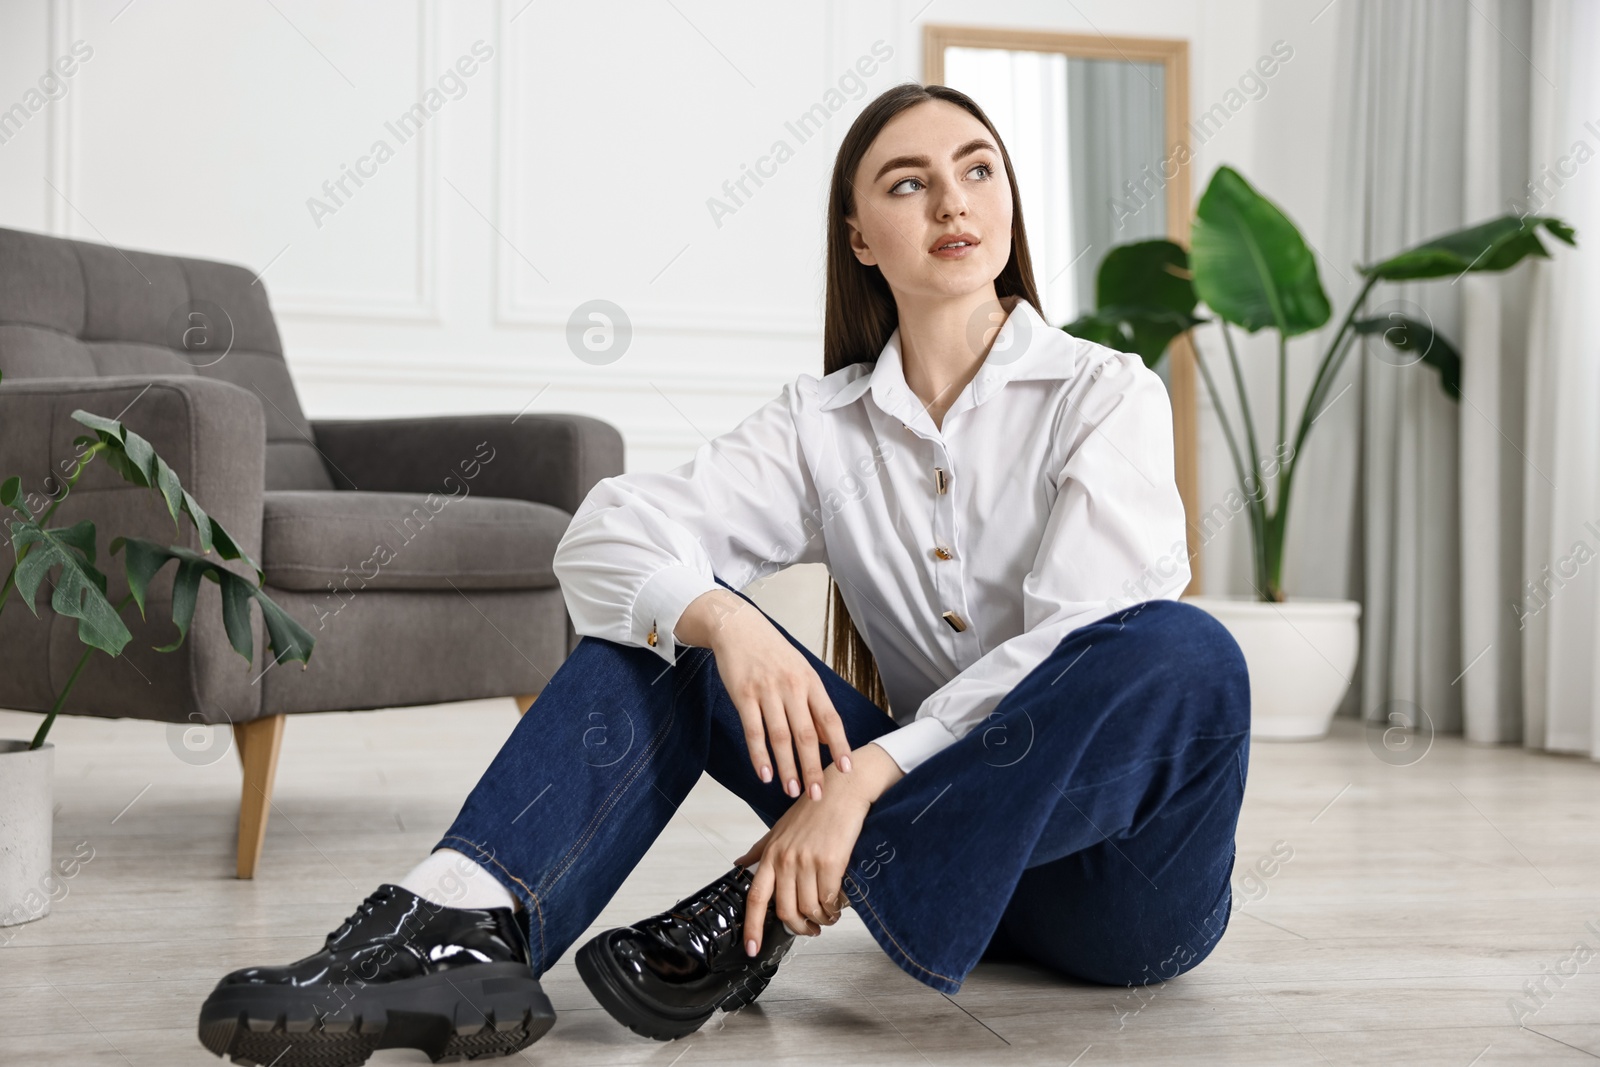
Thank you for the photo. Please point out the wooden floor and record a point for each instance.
(1419, 900)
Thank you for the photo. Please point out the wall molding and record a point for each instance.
(662, 315)
(60, 126)
(422, 305)
(440, 370)
(618, 399)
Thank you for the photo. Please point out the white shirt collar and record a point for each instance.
(1025, 348)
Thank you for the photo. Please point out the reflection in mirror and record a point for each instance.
(1086, 138)
(1097, 128)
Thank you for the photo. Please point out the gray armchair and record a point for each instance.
(417, 550)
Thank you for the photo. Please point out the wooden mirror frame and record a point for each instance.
(1173, 55)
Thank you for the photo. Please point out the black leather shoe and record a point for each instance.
(402, 972)
(665, 976)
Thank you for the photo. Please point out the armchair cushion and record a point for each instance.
(554, 459)
(344, 542)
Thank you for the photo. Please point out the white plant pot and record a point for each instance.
(1301, 655)
(27, 779)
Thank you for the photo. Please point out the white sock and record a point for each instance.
(456, 880)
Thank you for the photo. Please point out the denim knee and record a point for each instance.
(1154, 959)
(1195, 652)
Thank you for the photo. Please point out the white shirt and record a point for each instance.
(1059, 507)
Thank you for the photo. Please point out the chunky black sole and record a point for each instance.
(478, 1012)
(600, 972)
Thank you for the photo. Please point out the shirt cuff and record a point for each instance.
(660, 603)
(915, 742)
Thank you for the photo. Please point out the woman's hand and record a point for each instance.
(777, 693)
(805, 854)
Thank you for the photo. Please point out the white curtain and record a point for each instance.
(1117, 125)
(1560, 645)
(1452, 509)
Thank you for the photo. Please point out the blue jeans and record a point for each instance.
(1087, 824)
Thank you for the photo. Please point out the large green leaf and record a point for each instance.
(1251, 265)
(1144, 299)
(286, 638)
(1146, 274)
(1144, 331)
(1489, 246)
(1420, 341)
(136, 460)
(80, 588)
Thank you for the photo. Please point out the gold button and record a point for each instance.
(941, 480)
(941, 553)
(651, 637)
(954, 620)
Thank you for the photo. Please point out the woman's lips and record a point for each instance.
(958, 252)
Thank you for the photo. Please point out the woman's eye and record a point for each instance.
(985, 167)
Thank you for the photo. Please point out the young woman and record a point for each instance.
(1061, 777)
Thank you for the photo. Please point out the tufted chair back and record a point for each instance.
(71, 309)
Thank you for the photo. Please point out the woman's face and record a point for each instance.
(934, 171)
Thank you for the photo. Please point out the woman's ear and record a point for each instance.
(858, 244)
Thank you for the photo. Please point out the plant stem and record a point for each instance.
(11, 580)
(1233, 449)
(72, 480)
(1244, 409)
(1286, 477)
(1256, 497)
(1327, 370)
(1283, 396)
(61, 698)
(1222, 416)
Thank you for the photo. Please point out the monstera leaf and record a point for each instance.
(1489, 246)
(286, 638)
(133, 457)
(80, 588)
(1251, 265)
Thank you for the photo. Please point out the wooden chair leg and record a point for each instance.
(526, 702)
(258, 741)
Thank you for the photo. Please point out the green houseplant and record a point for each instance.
(80, 592)
(1252, 269)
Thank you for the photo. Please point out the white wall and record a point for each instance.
(576, 164)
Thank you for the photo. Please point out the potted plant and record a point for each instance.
(26, 876)
(1252, 269)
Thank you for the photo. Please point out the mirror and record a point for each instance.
(1093, 125)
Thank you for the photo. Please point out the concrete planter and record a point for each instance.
(1302, 658)
(27, 793)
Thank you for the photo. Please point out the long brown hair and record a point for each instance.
(860, 315)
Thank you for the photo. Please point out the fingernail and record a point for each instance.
(750, 947)
(794, 787)
(766, 774)
(816, 791)
(844, 764)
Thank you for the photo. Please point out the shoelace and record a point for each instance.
(363, 910)
(724, 900)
